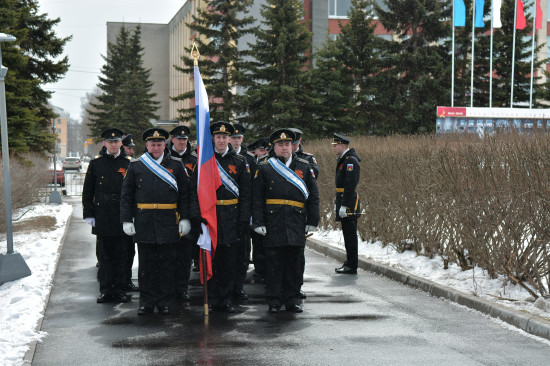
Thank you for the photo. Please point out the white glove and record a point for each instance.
(129, 228)
(310, 228)
(90, 221)
(185, 227)
(342, 212)
(261, 230)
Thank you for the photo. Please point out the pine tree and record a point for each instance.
(279, 90)
(31, 62)
(346, 72)
(416, 70)
(126, 100)
(218, 32)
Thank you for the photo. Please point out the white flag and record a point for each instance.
(496, 13)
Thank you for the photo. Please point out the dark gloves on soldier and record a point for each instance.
(196, 229)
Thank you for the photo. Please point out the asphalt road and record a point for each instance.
(347, 320)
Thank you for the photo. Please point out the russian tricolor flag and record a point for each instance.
(208, 177)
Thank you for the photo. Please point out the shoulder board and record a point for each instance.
(303, 160)
(135, 160)
(174, 158)
(306, 153)
(194, 153)
(250, 154)
(96, 157)
(263, 162)
(239, 156)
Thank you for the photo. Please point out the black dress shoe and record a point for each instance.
(227, 308)
(183, 296)
(164, 310)
(131, 287)
(122, 297)
(294, 308)
(240, 294)
(302, 295)
(346, 270)
(274, 309)
(143, 310)
(103, 298)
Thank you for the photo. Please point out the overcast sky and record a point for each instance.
(87, 21)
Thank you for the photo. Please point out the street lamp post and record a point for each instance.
(12, 265)
(55, 196)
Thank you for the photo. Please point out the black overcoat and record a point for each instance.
(348, 171)
(141, 185)
(231, 218)
(285, 224)
(101, 193)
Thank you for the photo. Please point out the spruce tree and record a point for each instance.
(416, 67)
(279, 91)
(346, 71)
(126, 100)
(32, 61)
(218, 29)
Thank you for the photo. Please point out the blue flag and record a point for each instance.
(460, 13)
(480, 4)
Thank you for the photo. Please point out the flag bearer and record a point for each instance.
(233, 215)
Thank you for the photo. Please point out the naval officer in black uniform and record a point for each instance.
(101, 209)
(347, 200)
(285, 208)
(156, 206)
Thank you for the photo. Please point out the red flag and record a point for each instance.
(208, 175)
(538, 24)
(520, 17)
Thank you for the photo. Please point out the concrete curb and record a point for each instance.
(530, 323)
(29, 355)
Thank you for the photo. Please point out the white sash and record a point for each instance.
(289, 175)
(159, 170)
(227, 181)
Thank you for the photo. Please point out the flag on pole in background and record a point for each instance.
(479, 23)
(497, 4)
(460, 13)
(520, 16)
(538, 24)
(208, 177)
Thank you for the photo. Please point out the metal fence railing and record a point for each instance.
(71, 185)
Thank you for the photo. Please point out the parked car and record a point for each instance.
(72, 163)
(60, 177)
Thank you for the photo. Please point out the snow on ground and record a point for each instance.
(474, 282)
(22, 301)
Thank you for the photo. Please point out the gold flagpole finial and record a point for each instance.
(195, 54)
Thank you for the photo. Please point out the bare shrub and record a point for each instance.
(28, 175)
(474, 201)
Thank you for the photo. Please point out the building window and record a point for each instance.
(59, 131)
(548, 45)
(333, 36)
(59, 121)
(338, 8)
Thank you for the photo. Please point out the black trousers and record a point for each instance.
(258, 253)
(156, 274)
(242, 257)
(220, 286)
(284, 275)
(349, 229)
(130, 248)
(111, 255)
(184, 250)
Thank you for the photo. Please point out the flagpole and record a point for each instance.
(513, 55)
(453, 60)
(532, 56)
(473, 35)
(195, 54)
(491, 61)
